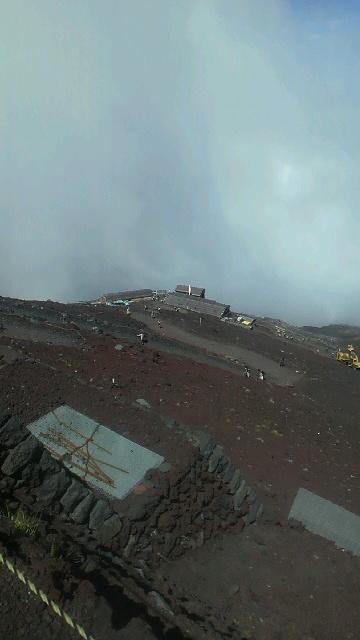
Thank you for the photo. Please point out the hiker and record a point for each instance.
(200, 320)
(142, 337)
(153, 314)
(128, 312)
(145, 307)
(247, 372)
(282, 361)
(261, 374)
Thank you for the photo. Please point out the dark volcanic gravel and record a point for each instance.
(282, 438)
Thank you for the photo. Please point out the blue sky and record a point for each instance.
(146, 144)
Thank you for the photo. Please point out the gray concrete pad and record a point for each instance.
(104, 459)
(327, 519)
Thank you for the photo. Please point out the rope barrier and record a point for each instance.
(44, 598)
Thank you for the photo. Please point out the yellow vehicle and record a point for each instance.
(349, 357)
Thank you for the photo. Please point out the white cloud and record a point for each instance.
(146, 143)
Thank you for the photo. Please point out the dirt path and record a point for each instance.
(281, 376)
(41, 334)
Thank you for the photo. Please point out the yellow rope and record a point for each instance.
(44, 598)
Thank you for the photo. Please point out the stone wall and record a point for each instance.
(208, 497)
(172, 511)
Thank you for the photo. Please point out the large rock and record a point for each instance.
(235, 481)
(239, 496)
(53, 487)
(166, 522)
(229, 472)
(164, 467)
(23, 454)
(110, 528)
(250, 517)
(215, 458)
(48, 464)
(208, 449)
(4, 416)
(170, 543)
(251, 496)
(202, 440)
(143, 403)
(30, 476)
(74, 494)
(156, 600)
(12, 433)
(142, 506)
(81, 513)
(99, 513)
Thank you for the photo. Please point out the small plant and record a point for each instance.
(23, 522)
(55, 548)
(75, 557)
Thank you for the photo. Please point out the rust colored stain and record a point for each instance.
(139, 489)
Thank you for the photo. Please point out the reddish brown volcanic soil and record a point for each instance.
(279, 583)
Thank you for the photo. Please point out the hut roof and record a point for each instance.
(198, 292)
(128, 295)
(199, 305)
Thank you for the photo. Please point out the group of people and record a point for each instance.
(261, 373)
(153, 315)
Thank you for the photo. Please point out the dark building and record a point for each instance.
(199, 305)
(126, 295)
(197, 292)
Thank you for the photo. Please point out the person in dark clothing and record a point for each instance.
(282, 362)
(247, 372)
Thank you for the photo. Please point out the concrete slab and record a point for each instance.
(106, 460)
(327, 519)
(143, 403)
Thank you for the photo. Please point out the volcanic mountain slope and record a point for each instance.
(298, 428)
(343, 333)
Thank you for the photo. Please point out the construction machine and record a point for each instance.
(349, 357)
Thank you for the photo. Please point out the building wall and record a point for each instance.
(197, 292)
(199, 305)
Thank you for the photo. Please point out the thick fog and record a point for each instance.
(156, 142)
